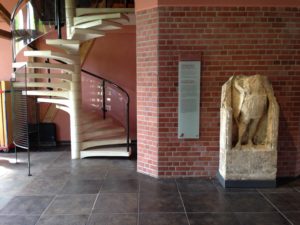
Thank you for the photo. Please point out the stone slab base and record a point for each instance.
(246, 183)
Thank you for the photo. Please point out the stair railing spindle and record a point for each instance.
(127, 125)
(103, 99)
(58, 18)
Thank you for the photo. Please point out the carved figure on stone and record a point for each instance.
(250, 98)
(249, 106)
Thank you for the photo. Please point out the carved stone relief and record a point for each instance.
(248, 128)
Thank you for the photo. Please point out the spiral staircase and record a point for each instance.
(92, 134)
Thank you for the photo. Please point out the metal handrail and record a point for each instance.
(19, 3)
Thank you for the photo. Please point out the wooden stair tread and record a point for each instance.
(62, 76)
(62, 85)
(106, 152)
(64, 67)
(86, 34)
(54, 101)
(99, 25)
(90, 118)
(69, 59)
(105, 141)
(69, 46)
(111, 132)
(91, 11)
(63, 94)
(90, 127)
(90, 18)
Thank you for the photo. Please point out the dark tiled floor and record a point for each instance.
(111, 192)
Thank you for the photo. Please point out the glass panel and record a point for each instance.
(91, 93)
(116, 103)
(115, 98)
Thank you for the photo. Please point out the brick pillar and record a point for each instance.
(147, 93)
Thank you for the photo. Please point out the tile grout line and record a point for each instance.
(45, 210)
(182, 203)
(97, 196)
(52, 161)
(275, 207)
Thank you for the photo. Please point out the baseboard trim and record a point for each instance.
(246, 183)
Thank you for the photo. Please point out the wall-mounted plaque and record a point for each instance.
(189, 99)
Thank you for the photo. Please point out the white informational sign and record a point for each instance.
(189, 99)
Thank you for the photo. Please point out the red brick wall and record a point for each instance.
(232, 40)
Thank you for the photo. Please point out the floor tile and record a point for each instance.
(4, 200)
(113, 219)
(122, 174)
(195, 185)
(121, 163)
(63, 220)
(55, 173)
(294, 217)
(71, 204)
(221, 189)
(295, 183)
(20, 169)
(117, 203)
(81, 187)
(43, 159)
(261, 219)
(248, 202)
(44, 186)
(26, 205)
(283, 186)
(90, 173)
(158, 185)
(13, 186)
(163, 219)
(64, 160)
(205, 202)
(285, 201)
(18, 220)
(160, 202)
(213, 219)
(120, 186)
(284, 189)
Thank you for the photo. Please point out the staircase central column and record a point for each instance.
(75, 109)
(70, 14)
(75, 91)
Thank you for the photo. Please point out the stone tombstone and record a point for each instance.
(248, 133)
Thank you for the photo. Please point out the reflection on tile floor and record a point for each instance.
(110, 192)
